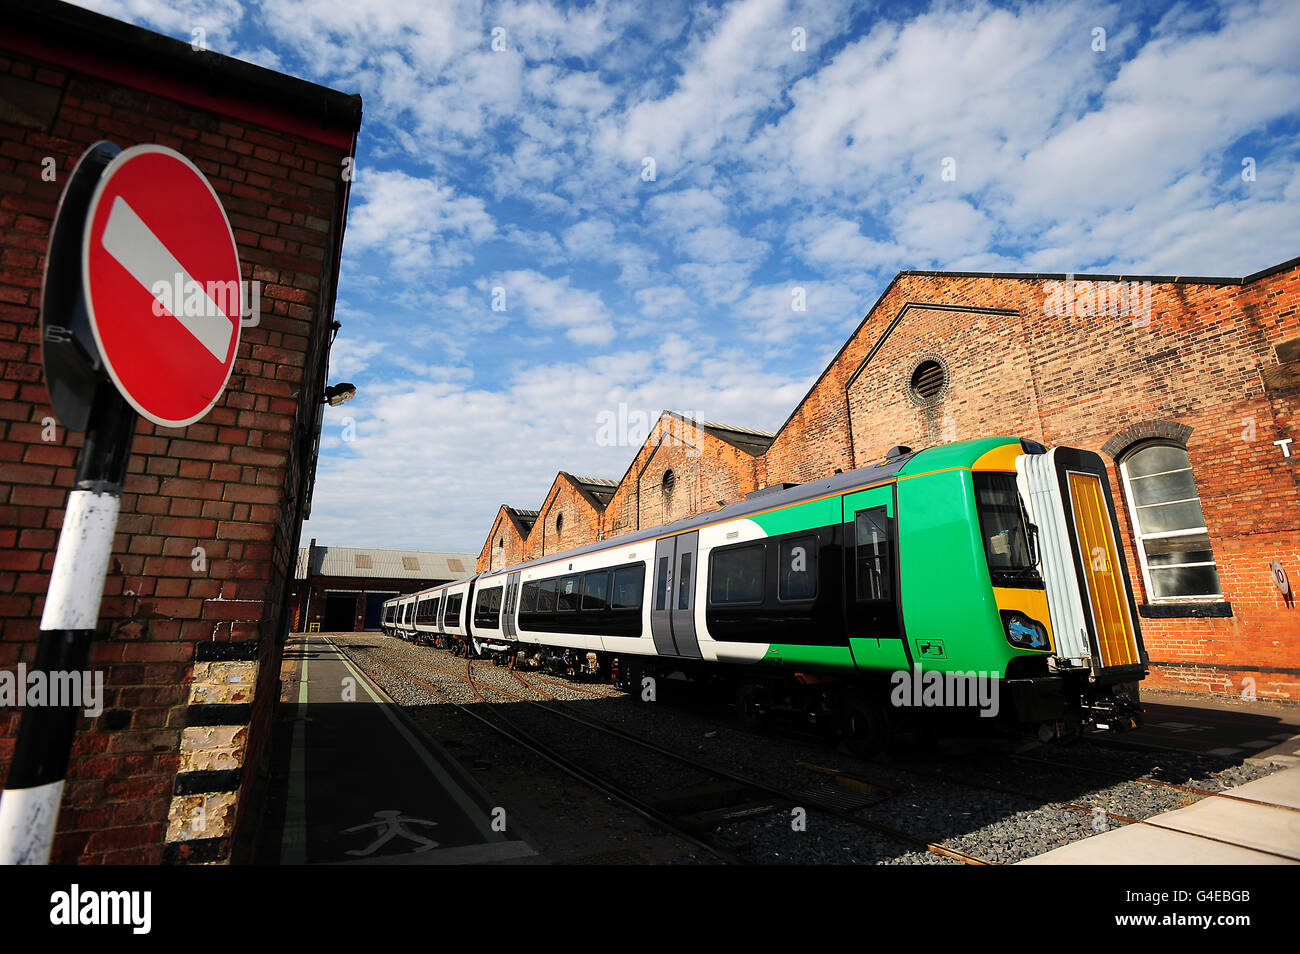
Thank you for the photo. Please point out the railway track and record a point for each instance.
(505, 727)
(559, 707)
(1190, 793)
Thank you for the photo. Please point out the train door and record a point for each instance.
(508, 605)
(871, 579)
(672, 613)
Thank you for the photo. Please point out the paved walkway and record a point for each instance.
(1254, 824)
(1218, 725)
(362, 784)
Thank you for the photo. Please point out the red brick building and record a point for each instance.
(195, 605)
(1188, 387)
(572, 511)
(504, 545)
(684, 466)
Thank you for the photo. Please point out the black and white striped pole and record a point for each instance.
(29, 806)
(117, 344)
(86, 400)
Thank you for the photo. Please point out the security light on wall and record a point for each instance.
(337, 394)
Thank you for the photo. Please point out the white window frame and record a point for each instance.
(1139, 537)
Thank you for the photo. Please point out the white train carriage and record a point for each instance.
(588, 602)
(387, 618)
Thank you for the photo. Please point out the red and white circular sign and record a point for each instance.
(160, 272)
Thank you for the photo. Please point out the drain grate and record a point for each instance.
(827, 793)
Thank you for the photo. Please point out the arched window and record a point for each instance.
(559, 524)
(1172, 543)
(668, 483)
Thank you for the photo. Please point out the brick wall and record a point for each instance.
(705, 470)
(504, 545)
(581, 520)
(210, 513)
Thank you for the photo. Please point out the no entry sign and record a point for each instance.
(160, 275)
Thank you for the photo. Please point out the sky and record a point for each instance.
(565, 215)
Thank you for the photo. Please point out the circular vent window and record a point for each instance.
(929, 382)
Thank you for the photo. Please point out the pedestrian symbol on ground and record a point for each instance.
(391, 825)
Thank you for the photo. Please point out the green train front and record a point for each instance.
(993, 559)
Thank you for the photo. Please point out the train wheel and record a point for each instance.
(864, 727)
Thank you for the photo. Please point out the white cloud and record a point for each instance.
(554, 303)
(417, 223)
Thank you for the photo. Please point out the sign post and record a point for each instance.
(140, 316)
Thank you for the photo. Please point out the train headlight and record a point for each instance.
(1025, 633)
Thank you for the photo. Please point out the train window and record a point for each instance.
(487, 608)
(451, 614)
(433, 610)
(1173, 543)
(797, 578)
(528, 599)
(567, 594)
(684, 583)
(661, 584)
(874, 554)
(546, 596)
(594, 586)
(629, 582)
(737, 574)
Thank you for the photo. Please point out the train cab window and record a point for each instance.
(546, 596)
(528, 598)
(594, 586)
(797, 578)
(875, 568)
(661, 584)
(1004, 528)
(629, 582)
(737, 574)
(567, 595)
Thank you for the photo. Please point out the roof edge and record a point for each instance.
(84, 41)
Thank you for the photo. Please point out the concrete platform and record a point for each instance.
(1223, 726)
(1256, 824)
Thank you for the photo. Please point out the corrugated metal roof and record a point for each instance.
(599, 489)
(384, 564)
(749, 439)
(599, 481)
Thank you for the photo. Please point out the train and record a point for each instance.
(983, 578)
